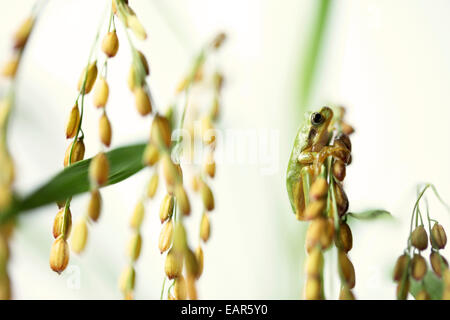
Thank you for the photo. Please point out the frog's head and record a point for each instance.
(319, 128)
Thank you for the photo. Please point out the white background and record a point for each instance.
(387, 61)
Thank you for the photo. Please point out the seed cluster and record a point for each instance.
(326, 211)
(176, 204)
(9, 71)
(208, 170)
(137, 84)
(128, 276)
(7, 169)
(99, 168)
(158, 157)
(412, 266)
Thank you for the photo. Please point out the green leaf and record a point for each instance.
(124, 162)
(431, 283)
(310, 63)
(370, 214)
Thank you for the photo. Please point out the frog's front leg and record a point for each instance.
(313, 160)
(300, 188)
(306, 158)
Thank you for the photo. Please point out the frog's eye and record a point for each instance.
(317, 119)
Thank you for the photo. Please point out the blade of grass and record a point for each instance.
(370, 214)
(124, 162)
(312, 53)
(304, 80)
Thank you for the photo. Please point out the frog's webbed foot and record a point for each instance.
(338, 152)
(307, 158)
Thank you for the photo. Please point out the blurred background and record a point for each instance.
(386, 61)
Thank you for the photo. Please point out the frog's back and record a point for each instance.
(294, 168)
